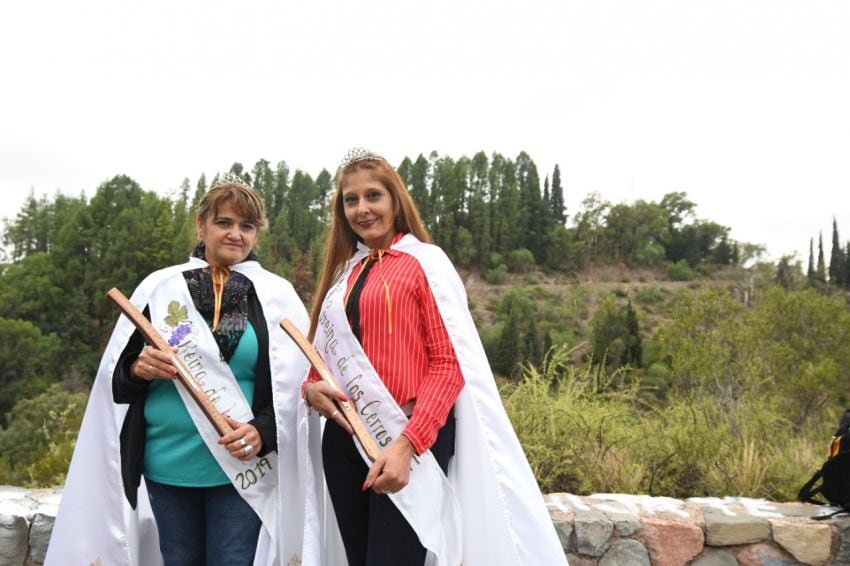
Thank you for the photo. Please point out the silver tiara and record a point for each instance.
(231, 178)
(358, 154)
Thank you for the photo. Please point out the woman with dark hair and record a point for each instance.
(391, 321)
(212, 499)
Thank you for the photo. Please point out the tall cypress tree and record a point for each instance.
(820, 271)
(810, 272)
(847, 265)
(634, 348)
(556, 199)
(836, 258)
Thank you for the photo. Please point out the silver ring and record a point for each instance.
(334, 414)
(242, 442)
(247, 449)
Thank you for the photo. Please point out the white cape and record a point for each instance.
(504, 517)
(95, 523)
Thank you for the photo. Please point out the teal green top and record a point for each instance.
(175, 454)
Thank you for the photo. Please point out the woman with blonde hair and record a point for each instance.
(204, 500)
(390, 318)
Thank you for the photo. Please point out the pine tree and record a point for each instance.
(184, 223)
(722, 253)
(303, 222)
(847, 265)
(200, 190)
(556, 202)
(276, 191)
(532, 348)
(820, 272)
(264, 184)
(836, 258)
(507, 352)
(506, 219)
(783, 273)
(810, 272)
(634, 348)
(479, 205)
(532, 218)
(417, 184)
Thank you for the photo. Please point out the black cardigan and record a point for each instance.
(128, 389)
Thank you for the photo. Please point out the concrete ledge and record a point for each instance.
(601, 529)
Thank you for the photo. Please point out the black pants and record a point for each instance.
(373, 530)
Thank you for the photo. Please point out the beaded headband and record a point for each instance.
(358, 154)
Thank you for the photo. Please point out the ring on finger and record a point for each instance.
(247, 449)
(242, 442)
(334, 414)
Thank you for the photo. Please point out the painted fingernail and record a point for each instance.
(366, 485)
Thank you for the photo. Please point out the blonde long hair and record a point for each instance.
(342, 240)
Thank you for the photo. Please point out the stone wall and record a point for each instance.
(601, 529)
(611, 529)
(26, 521)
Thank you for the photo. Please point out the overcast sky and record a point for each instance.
(743, 105)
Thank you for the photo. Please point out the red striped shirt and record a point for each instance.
(417, 361)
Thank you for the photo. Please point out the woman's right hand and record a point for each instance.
(153, 364)
(320, 397)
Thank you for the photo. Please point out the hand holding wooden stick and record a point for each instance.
(346, 408)
(184, 376)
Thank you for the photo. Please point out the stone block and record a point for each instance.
(722, 529)
(626, 524)
(842, 527)
(14, 531)
(42, 526)
(626, 552)
(809, 542)
(593, 533)
(716, 557)
(671, 542)
(563, 523)
(576, 560)
(764, 554)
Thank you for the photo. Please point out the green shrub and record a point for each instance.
(520, 261)
(497, 276)
(586, 430)
(649, 295)
(680, 271)
(40, 438)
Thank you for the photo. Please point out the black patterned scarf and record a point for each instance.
(234, 302)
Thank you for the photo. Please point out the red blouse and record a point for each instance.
(416, 361)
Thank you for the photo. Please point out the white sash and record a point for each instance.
(428, 501)
(174, 316)
(99, 526)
